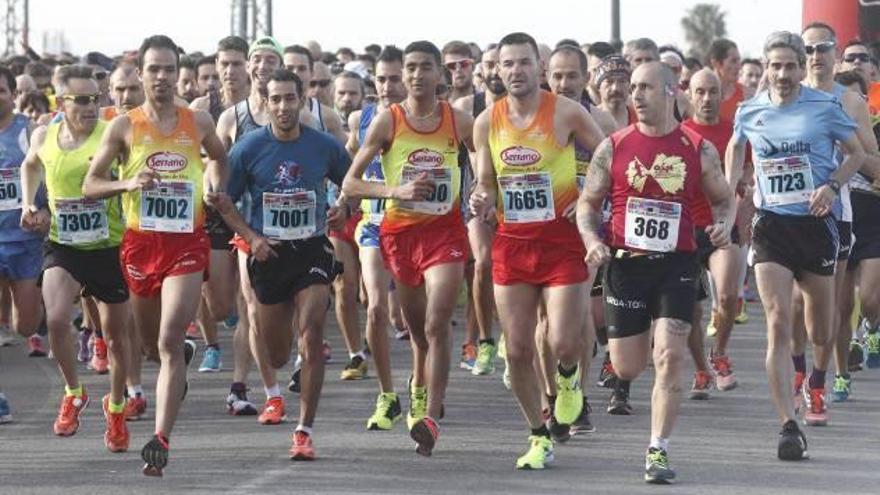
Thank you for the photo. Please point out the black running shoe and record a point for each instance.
(607, 378)
(558, 432)
(583, 423)
(657, 469)
(155, 455)
(189, 351)
(619, 403)
(294, 384)
(792, 443)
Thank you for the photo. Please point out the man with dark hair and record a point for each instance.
(691, 66)
(345, 55)
(423, 237)
(373, 49)
(724, 59)
(187, 81)
(750, 73)
(231, 73)
(298, 59)
(595, 53)
(458, 59)
(348, 93)
(207, 78)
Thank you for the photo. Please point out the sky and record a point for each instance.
(113, 26)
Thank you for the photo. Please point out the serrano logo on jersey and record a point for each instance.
(166, 161)
(668, 171)
(425, 158)
(520, 156)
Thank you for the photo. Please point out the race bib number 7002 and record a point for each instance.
(168, 207)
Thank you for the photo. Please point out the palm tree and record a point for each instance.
(703, 23)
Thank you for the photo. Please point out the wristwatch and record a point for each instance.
(834, 185)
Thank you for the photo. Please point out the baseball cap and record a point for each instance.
(266, 43)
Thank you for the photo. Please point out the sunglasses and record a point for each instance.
(822, 47)
(319, 82)
(459, 64)
(100, 76)
(861, 57)
(81, 99)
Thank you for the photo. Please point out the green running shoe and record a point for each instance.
(388, 412)
(540, 453)
(485, 364)
(657, 469)
(569, 398)
(418, 405)
(841, 389)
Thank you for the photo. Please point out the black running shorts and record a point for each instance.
(97, 270)
(299, 264)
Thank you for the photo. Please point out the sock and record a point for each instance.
(298, 362)
(305, 429)
(214, 346)
(489, 341)
(135, 390)
(238, 387)
(817, 378)
(551, 399)
(273, 391)
(99, 334)
(567, 373)
(660, 443)
(116, 408)
(800, 363)
(542, 431)
(76, 392)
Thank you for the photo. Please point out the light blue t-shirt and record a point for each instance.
(792, 147)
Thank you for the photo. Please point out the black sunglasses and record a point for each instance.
(81, 99)
(821, 47)
(861, 57)
(314, 83)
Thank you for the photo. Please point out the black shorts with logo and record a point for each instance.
(596, 289)
(97, 270)
(844, 233)
(799, 243)
(640, 289)
(299, 264)
(865, 227)
(218, 232)
(705, 248)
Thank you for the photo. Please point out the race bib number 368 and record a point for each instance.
(652, 225)
(168, 207)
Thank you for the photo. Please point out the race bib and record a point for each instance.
(377, 207)
(652, 225)
(10, 189)
(527, 197)
(439, 202)
(785, 181)
(168, 207)
(81, 221)
(289, 216)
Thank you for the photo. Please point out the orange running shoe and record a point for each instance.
(116, 436)
(193, 332)
(273, 412)
(702, 385)
(99, 362)
(135, 408)
(816, 413)
(302, 448)
(799, 391)
(71, 409)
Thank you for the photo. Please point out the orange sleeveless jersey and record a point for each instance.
(727, 111)
(108, 113)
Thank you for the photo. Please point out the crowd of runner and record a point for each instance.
(592, 200)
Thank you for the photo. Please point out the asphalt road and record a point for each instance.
(724, 445)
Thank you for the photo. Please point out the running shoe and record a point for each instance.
(69, 413)
(657, 470)
(116, 434)
(702, 385)
(135, 408)
(792, 443)
(816, 411)
(618, 404)
(36, 346)
(425, 433)
(723, 369)
(539, 455)
(872, 343)
(5, 411)
(231, 321)
(569, 397)
(237, 404)
(841, 389)
(192, 331)
(418, 404)
(485, 363)
(296, 377)
(356, 369)
(155, 456)
(7, 337)
(211, 362)
(85, 352)
(742, 316)
(327, 351)
(468, 356)
(388, 412)
(798, 391)
(711, 330)
(856, 358)
(607, 378)
(273, 412)
(401, 334)
(558, 432)
(583, 423)
(302, 448)
(189, 351)
(100, 363)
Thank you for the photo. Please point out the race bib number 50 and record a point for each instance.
(289, 216)
(10, 189)
(652, 225)
(527, 197)
(785, 181)
(168, 207)
(439, 202)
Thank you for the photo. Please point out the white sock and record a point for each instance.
(134, 390)
(298, 362)
(306, 429)
(660, 443)
(273, 391)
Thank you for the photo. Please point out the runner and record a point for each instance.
(795, 237)
(298, 59)
(725, 62)
(82, 252)
(537, 256)
(423, 239)
(612, 81)
(653, 171)
(164, 247)
(457, 58)
(750, 73)
(643, 50)
(290, 263)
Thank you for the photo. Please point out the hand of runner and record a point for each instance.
(416, 190)
(336, 218)
(481, 205)
(145, 179)
(261, 248)
(35, 219)
(597, 253)
(719, 234)
(821, 201)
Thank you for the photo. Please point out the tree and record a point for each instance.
(703, 23)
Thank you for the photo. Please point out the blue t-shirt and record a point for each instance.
(293, 174)
(786, 140)
(13, 148)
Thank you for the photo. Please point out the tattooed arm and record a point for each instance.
(719, 194)
(597, 185)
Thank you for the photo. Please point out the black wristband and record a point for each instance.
(834, 185)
